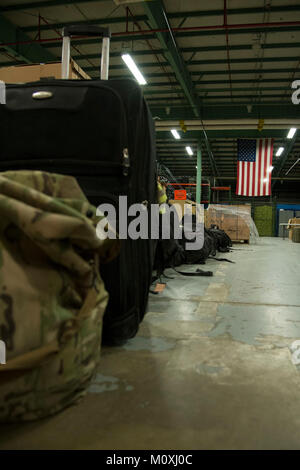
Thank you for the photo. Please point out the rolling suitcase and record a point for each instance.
(101, 132)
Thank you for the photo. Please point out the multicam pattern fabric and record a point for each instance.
(52, 298)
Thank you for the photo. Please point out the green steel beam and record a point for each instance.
(185, 34)
(46, 4)
(212, 90)
(226, 82)
(229, 111)
(124, 38)
(118, 54)
(244, 47)
(203, 62)
(156, 13)
(213, 104)
(245, 71)
(158, 20)
(288, 45)
(252, 97)
(248, 60)
(181, 14)
(162, 136)
(212, 72)
(123, 19)
(29, 53)
(93, 21)
(235, 31)
(179, 106)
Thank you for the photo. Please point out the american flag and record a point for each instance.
(254, 167)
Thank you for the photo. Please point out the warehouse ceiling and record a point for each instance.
(218, 66)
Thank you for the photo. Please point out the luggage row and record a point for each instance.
(66, 148)
(59, 283)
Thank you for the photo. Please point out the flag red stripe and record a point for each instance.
(266, 166)
(259, 168)
(253, 179)
(263, 162)
(268, 174)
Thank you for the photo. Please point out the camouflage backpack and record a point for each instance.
(52, 298)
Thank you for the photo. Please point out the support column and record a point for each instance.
(199, 173)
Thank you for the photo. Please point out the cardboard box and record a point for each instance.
(33, 73)
(229, 219)
(295, 220)
(180, 203)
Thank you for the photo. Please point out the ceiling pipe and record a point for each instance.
(286, 122)
(165, 30)
(296, 163)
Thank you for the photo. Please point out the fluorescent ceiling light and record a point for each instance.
(175, 134)
(189, 150)
(133, 69)
(291, 133)
(279, 151)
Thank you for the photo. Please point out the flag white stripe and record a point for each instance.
(262, 168)
(251, 176)
(268, 167)
(240, 178)
(256, 169)
(245, 178)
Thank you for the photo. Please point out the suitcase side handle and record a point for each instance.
(85, 30)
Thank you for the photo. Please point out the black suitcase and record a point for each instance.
(102, 133)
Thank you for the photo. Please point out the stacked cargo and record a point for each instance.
(234, 220)
(102, 133)
(35, 72)
(294, 231)
(264, 220)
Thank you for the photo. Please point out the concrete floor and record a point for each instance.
(211, 368)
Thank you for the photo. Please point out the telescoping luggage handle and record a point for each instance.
(85, 30)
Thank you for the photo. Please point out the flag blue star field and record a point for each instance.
(254, 167)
